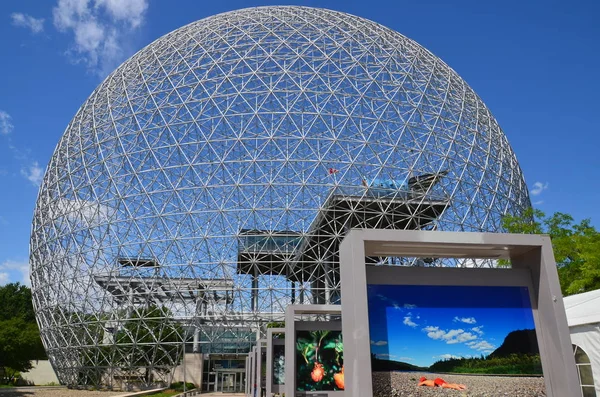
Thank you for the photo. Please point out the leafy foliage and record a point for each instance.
(19, 344)
(576, 247)
(178, 386)
(320, 360)
(15, 302)
(149, 337)
(518, 354)
(512, 364)
(20, 340)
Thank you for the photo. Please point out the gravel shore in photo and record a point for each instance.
(404, 384)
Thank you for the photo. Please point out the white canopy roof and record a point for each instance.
(583, 308)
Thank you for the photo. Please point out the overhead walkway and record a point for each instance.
(312, 256)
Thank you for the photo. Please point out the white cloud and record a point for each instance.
(450, 337)
(461, 338)
(539, 202)
(409, 306)
(21, 267)
(408, 321)
(481, 345)
(33, 173)
(538, 188)
(85, 212)
(6, 126)
(100, 29)
(36, 25)
(466, 320)
(379, 343)
(478, 330)
(446, 356)
(131, 11)
(434, 332)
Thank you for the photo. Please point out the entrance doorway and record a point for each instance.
(230, 381)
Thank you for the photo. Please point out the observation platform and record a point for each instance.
(140, 290)
(297, 256)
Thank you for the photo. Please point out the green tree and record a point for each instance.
(19, 344)
(20, 340)
(576, 247)
(151, 341)
(15, 302)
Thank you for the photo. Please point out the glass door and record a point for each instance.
(228, 382)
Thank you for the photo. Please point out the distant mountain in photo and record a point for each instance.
(523, 341)
(378, 364)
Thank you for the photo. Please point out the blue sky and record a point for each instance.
(423, 324)
(534, 63)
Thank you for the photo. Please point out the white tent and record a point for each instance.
(583, 316)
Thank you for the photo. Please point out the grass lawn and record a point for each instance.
(165, 393)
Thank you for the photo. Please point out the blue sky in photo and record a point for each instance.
(534, 63)
(423, 324)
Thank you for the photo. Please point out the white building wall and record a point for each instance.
(41, 373)
(193, 369)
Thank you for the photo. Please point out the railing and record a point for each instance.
(382, 192)
(269, 242)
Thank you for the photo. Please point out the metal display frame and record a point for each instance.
(252, 377)
(271, 342)
(246, 383)
(291, 326)
(261, 346)
(533, 266)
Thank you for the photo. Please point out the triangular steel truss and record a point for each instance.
(207, 182)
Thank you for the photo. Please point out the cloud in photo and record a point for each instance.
(481, 345)
(446, 356)
(466, 320)
(379, 343)
(408, 321)
(451, 337)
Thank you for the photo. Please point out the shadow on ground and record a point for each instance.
(16, 392)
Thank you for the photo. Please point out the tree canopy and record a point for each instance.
(19, 334)
(15, 302)
(150, 336)
(576, 247)
(19, 344)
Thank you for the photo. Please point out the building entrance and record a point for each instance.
(230, 381)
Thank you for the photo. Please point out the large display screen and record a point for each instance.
(319, 360)
(419, 333)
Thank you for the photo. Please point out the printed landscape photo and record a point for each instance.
(319, 360)
(278, 364)
(451, 329)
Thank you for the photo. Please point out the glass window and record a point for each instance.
(584, 369)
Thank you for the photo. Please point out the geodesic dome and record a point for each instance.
(208, 181)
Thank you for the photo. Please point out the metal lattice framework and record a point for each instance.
(207, 183)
